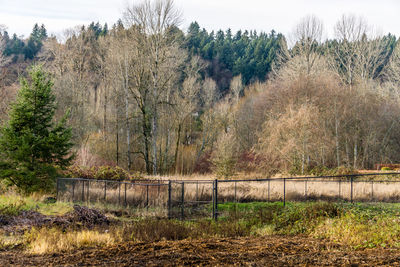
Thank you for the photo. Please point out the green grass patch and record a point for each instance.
(358, 225)
(13, 204)
(364, 226)
(250, 206)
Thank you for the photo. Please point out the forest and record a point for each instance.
(151, 97)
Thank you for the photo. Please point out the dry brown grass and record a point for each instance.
(137, 196)
(199, 188)
(54, 240)
(303, 190)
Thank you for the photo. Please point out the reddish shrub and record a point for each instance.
(203, 165)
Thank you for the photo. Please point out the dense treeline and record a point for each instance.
(15, 47)
(247, 54)
(146, 96)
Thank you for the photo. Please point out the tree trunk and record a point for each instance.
(128, 130)
(105, 112)
(155, 115)
(146, 135)
(154, 143)
(177, 148)
(355, 155)
(117, 137)
(346, 146)
(337, 137)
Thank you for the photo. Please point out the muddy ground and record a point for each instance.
(260, 251)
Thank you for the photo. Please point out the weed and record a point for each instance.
(363, 226)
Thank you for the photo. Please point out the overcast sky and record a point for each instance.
(262, 15)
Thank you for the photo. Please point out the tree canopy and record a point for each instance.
(32, 145)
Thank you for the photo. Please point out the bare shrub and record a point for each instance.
(224, 157)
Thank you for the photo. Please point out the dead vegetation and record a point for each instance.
(248, 233)
(79, 217)
(262, 251)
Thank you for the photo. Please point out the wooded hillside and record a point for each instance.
(150, 97)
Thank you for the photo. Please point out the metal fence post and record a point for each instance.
(216, 199)
(235, 192)
(213, 199)
(284, 192)
(183, 201)
(88, 192)
(269, 190)
(340, 187)
(351, 189)
(169, 199)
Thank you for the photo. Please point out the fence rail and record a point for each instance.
(192, 199)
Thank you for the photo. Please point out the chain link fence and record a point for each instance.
(149, 195)
(194, 199)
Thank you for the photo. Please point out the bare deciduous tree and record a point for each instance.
(4, 60)
(237, 87)
(359, 55)
(155, 20)
(308, 35)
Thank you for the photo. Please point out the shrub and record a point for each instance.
(224, 157)
(320, 171)
(360, 228)
(101, 173)
(391, 166)
(300, 219)
(341, 170)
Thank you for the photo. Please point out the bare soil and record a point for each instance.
(248, 251)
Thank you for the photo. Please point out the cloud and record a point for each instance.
(261, 15)
(21, 15)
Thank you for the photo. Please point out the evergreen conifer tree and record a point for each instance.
(32, 146)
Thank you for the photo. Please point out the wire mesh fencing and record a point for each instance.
(191, 199)
(145, 195)
(194, 199)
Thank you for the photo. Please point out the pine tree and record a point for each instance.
(35, 41)
(32, 146)
(42, 33)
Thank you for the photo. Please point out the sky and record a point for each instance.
(262, 15)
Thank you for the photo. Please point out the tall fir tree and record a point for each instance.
(32, 146)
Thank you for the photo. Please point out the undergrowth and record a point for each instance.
(12, 204)
(356, 226)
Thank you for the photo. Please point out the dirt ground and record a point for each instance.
(260, 251)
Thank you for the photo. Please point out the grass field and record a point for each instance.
(383, 188)
(352, 227)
